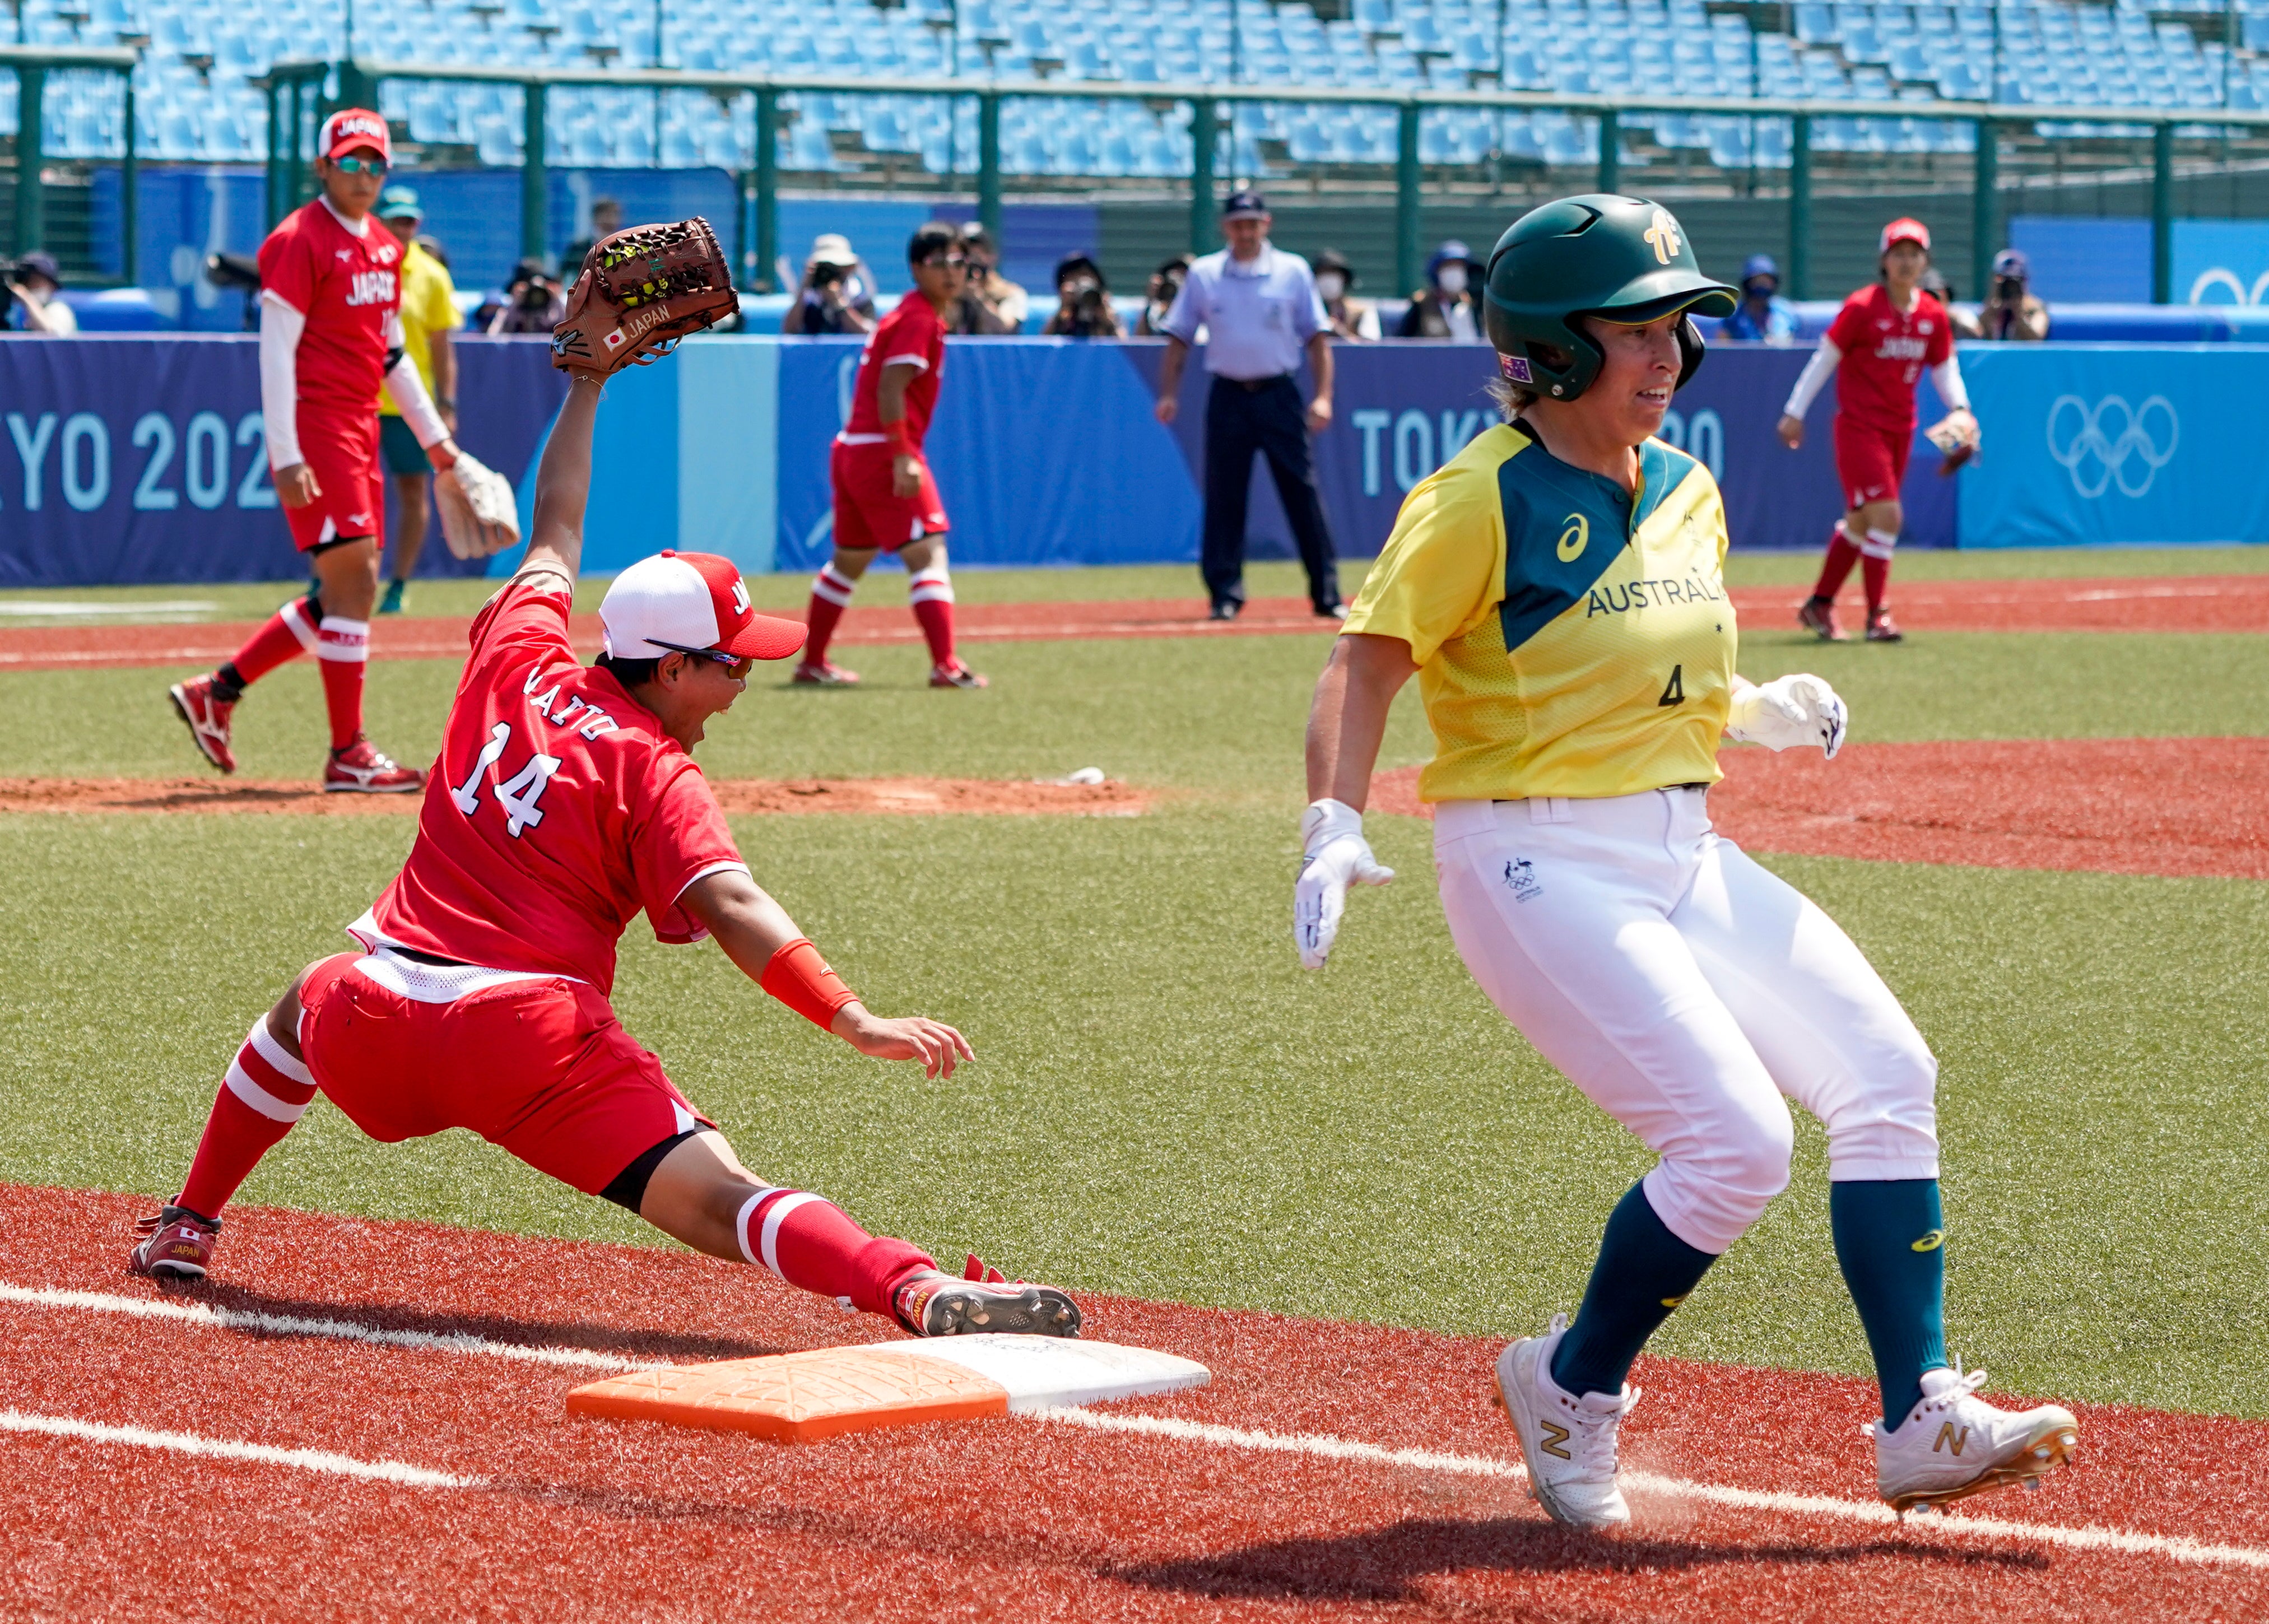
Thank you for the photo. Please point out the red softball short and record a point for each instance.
(342, 452)
(868, 514)
(1871, 464)
(540, 1067)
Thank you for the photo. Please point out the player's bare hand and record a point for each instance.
(1167, 409)
(296, 486)
(910, 1037)
(905, 476)
(1792, 432)
(442, 455)
(1320, 413)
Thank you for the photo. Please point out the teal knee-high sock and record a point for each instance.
(1644, 1272)
(1890, 1243)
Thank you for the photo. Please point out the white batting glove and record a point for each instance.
(1787, 711)
(1333, 856)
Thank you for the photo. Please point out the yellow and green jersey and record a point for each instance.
(1571, 639)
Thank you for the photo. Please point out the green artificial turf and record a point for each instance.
(1165, 1104)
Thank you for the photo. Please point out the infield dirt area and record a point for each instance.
(1330, 1471)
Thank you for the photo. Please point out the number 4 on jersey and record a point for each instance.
(519, 794)
(1674, 692)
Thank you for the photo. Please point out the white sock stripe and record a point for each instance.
(1887, 538)
(241, 1085)
(295, 616)
(741, 1223)
(780, 1210)
(276, 1054)
(929, 592)
(342, 639)
(828, 591)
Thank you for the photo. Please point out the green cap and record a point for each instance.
(1624, 258)
(399, 202)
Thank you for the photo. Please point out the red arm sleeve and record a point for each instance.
(525, 624)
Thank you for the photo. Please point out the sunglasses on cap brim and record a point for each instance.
(717, 655)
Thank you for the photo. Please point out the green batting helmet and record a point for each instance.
(1623, 258)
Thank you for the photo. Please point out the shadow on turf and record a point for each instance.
(1382, 1564)
(647, 1344)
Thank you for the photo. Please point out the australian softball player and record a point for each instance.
(1557, 589)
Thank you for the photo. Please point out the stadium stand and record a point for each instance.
(198, 100)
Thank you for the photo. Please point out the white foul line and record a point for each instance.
(222, 1449)
(342, 1330)
(2173, 1547)
(1322, 1445)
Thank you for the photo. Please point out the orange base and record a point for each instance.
(797, 1397)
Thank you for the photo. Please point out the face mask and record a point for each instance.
(1331, 286)
(1451, 279)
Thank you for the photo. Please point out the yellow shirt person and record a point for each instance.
(429, 314)
(1571, 640)
(429, 306)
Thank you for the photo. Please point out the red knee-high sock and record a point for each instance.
(1875, 567)
(808, 1241)
(260, 1099)
(285, 635)
(930, 595)
(831, 594)
(344, 647)
(1842, 553)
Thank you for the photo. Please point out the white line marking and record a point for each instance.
(2174, 1548)
(222, 1449)
(342, 1330)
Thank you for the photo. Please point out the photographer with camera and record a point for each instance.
(34, 281)
(1083, 308)
(2010, 310)
(1165, 287)
(989, 304)
(533, 302)
(838, 295)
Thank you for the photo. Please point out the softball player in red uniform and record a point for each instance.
(1558, 590)
(885, 499)
(331, 339)
(479, 999)
(1883, 338)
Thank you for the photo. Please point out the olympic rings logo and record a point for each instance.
(2112, 443)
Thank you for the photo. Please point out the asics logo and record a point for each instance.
(1554, 1438)
(1574, 539)
(1931, 1240)
(2113, 443)
(1950, 1438)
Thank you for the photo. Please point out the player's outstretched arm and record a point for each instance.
(756, 933)
(1346, 723)
(563, 483)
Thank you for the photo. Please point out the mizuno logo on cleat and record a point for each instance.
(1949, 1433)
(1554, 1437)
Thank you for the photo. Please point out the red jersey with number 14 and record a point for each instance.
(558, 810)
(347, 287)
(909, 334)
(1885, 350)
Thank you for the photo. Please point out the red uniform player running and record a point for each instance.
(885, 499)
(331, 339)
(1884, 337)
(480, 997)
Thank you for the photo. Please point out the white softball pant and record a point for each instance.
(1685, 989)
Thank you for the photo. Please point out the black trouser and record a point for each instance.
(1270, 420)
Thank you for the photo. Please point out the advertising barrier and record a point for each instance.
(142, 458)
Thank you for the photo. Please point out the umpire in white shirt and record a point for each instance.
(1258, 307)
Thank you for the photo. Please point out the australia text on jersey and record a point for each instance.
(1652, 594)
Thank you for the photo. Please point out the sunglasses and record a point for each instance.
(352, 165)
(953, 260)
(735, 665)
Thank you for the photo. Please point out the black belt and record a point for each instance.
(1254, 386)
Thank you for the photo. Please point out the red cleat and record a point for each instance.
(1817, 616)
(206, 719)
(177, 1245)
(362, 769)
(824, 675)
(955, 676)
(1882, 629)
(934, 1304)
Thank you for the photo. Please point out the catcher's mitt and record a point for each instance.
(1955, 445)
(478, 514)
(641, 290)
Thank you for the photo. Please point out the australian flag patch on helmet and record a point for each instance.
(1515, 368)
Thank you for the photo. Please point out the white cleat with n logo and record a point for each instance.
(1954, 1444)
(1568, 1442)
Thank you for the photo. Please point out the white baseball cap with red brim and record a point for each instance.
(690, 603)
(351, 129)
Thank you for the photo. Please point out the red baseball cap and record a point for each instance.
(690, 602)
(350, 128)
(1904, 230)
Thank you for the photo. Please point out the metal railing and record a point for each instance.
(31, 65)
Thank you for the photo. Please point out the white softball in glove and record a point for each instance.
(1333, 856)
(1788, 712)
